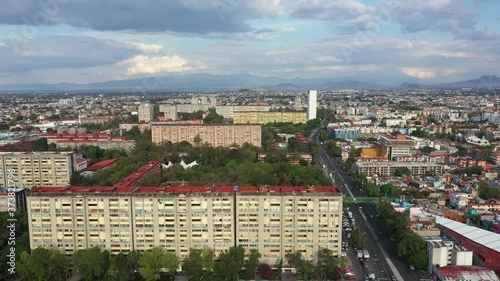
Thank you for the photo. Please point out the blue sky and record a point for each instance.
(378, 41)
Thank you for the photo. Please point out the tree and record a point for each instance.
(427, 150)
(265, 271)
(207, 259)
(43, 264)
(305, 269)
(153, 262)
(402, 171)
(197, 140)
(120, 267)
(357, 238)
(91, 264)
(230, 263)
(193, 264)
(252, 264)
(327, 264)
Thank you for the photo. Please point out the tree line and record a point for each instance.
(158, 264)
(408, 243)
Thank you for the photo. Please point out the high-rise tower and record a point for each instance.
(312, 98)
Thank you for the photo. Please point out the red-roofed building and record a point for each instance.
(469, 273)
(151, 168)
(182, 217)
(101, 165)
(104, 141)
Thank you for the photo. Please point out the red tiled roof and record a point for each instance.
(189, 189)
(101, 164)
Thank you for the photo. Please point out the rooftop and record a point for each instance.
(100, 164)
(467, 273)
(396, 164)
(185, 189)
(486, 238)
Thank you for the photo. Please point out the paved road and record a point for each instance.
(384, 260)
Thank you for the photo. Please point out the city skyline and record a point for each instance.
(382, 42)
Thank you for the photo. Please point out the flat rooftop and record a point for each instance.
(396, 164)
(184, 189)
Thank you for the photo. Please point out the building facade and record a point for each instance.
(146, 112)
(228, 110)
(224, 135)
(388, 168)
(393, 146)
(274, 220)
(312, 100)
(265, 117)
(31, 169)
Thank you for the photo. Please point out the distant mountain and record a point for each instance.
(351, 85)
(483, 82)
(411, 86)
(211, 82)
(200, 82)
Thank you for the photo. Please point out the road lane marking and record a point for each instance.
(349, 190)
(389, 262)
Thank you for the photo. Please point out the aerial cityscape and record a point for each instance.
(226, 140)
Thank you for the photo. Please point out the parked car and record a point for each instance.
(412, 267)
(393, 278)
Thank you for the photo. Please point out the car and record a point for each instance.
(412, 267)
(393, 278)
(350, 277)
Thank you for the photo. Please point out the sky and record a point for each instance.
(378, 41)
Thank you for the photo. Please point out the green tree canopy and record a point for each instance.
(42, 265)
(153, 262)
(91, 264)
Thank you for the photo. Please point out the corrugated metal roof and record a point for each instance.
(486, 238)
(472, 273)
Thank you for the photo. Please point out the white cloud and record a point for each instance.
(328, 59)
(287, 28)
(419, 72)
(144, 64)
(2, 44)
(147, 48)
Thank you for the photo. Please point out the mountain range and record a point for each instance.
(210, 82)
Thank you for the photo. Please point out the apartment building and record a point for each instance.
(16, 199)
(104, 141)
(228, 110)
(36, 168)
(399, 145)
(388, 168)
(146, 112)
(265, 117)
(276, 220)
(224, 135)
(169, 111)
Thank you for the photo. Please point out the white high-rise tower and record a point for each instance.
(312, 98)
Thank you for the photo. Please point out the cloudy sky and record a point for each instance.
(382, 41)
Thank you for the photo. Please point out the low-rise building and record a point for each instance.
(265, 117)
(388, 168)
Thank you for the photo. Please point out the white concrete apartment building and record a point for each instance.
(146, 112)
(37, 168)
(388, 168)
(274, 220)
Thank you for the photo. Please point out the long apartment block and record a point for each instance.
(28, 169)
(224, 135)
(275, 220)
